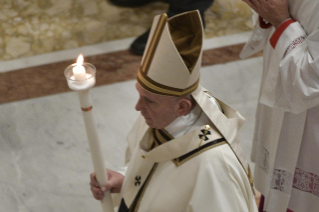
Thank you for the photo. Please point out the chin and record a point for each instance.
(149, 123)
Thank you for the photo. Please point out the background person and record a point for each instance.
(286, 139)
(175, 7)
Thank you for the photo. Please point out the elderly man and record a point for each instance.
(182, 153)
(286, 141)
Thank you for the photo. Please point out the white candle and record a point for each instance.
(79, 70)
(80, 81)
(95, 147)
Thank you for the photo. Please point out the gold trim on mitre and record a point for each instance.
(154, 42)
(172, 58)
(157, 88)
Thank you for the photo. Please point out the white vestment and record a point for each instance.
(195, 171)
(286, 139)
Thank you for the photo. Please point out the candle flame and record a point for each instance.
(80, 60)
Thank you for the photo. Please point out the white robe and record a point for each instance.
(286, 139)
(209, 180)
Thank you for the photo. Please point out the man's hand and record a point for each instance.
(274, 11)
(114, 184)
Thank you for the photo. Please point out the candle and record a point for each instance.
(81, 78)
(79, 70)
(95, 147)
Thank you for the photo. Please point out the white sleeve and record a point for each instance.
(298, 71)
(257, 40)
(291, 80)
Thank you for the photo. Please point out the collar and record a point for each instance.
(181, 125)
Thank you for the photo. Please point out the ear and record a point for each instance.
(184, 107)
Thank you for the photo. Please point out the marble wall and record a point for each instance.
(33, 27)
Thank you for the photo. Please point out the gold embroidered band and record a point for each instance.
(164, 90)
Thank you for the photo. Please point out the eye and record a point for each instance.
(149, 101)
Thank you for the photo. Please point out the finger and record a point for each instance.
(108, 186)
(250, 4)
(95, 184)
(98, 196)
(96, 190)
(97, 193)
(256, 2)
(93, 177)
(94, 181)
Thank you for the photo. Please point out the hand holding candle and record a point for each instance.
(80, 78)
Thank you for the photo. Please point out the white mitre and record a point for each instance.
(172, 58)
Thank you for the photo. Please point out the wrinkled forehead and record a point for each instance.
(146, 93)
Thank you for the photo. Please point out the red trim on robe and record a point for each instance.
(262, 24)
(275, 37)
(261, 203)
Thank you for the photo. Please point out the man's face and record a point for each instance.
(158, 111)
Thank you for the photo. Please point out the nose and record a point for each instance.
(139, 105)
